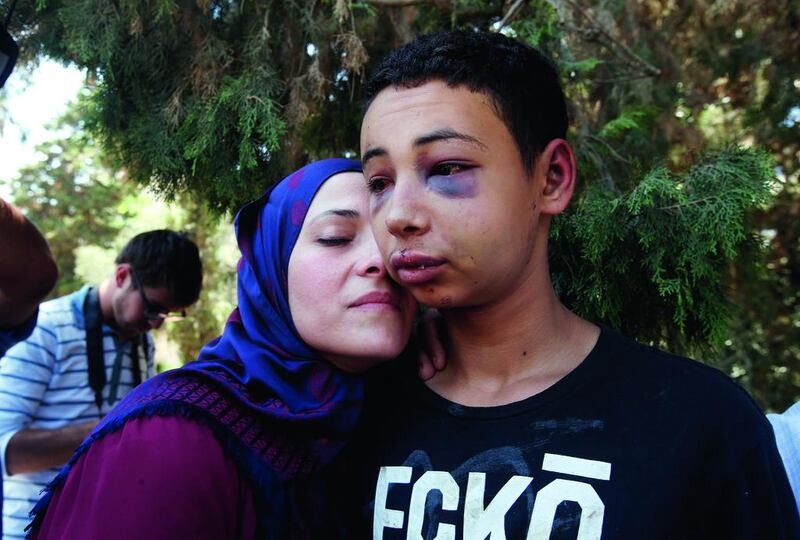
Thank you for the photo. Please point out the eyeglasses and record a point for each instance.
(152, 311)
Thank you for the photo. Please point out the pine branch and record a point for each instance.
(512, 11)
(609, 148)
(596, 30)
(405, 3)
(686, 204)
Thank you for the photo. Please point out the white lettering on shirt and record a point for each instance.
(385, 517)
(483, 522)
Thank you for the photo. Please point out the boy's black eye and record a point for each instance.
(448, 169)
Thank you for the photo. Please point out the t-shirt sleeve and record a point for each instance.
(754, 498)
(25, 372)
(156, 478)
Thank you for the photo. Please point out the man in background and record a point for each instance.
(87, 350)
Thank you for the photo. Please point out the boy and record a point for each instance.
(542, 425)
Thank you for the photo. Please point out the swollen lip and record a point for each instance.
(414, 269)
(416, 276)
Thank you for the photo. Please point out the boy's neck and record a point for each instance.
(514, 348)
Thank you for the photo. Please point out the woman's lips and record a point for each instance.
(416, 268)
(377, 300)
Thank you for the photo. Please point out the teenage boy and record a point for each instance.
(87, 351)
(542, 425)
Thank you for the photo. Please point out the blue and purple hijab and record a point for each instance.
(278, 409)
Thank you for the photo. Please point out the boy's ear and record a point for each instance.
(557, 163)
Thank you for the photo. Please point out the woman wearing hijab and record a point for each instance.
(221, 448)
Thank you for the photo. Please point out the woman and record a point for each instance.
(219, 448)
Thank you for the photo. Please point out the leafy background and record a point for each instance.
(685, 119)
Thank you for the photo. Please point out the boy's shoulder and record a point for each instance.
(682, 384)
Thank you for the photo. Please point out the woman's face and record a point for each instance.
(343, 302)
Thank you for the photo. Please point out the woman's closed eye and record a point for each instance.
(334, 240)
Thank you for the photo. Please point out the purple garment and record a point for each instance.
(160, 478)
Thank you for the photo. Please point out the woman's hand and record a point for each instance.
(432, 358)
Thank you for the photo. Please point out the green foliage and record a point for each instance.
(634, 119)
(241, 111)
(541, 27)
(584, 66)
(220, 99)
(652, 261)
(73, 197)
(219, 253)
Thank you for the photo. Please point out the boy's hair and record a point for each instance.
(165, 258)
(522, 83)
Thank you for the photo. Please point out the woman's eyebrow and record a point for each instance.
(352, 214)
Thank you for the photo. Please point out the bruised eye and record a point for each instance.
(334, 240)
(449, 169)
(377, 184)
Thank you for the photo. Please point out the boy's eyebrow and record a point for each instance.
(352, 214)
(447, 134)
(437, 135)
(371, 153)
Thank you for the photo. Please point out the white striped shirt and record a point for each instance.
(44, 384)
(787, 436)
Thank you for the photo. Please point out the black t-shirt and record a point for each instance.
(634, 443)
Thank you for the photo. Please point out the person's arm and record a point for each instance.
(31, 450)
(787, 435)
(762, 500)
(27, 269)
(25, 373)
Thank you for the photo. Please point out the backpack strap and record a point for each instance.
(136, 368)
(95, 354)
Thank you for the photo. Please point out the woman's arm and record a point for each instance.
(156, 478)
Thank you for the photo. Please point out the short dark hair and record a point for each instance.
(522, 83)
(166, 258)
